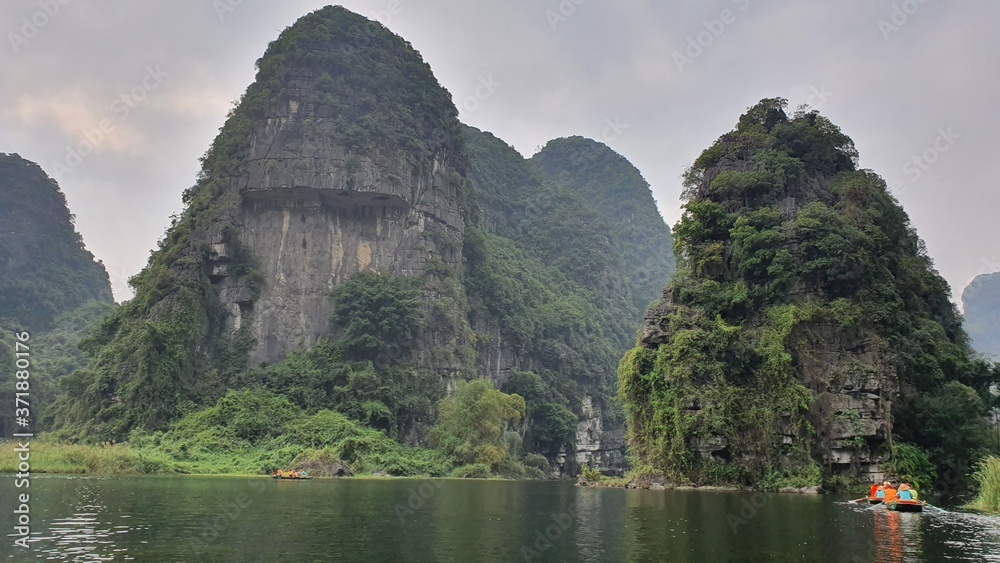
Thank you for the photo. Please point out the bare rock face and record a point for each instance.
(853, 388)
(318, 205)
(597, 444)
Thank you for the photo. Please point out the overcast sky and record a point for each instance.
(149, 83)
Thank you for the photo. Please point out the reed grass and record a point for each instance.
(988, 476)
(54, 457)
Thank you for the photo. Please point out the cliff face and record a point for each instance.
(807, 334)
(45, 270)
(343, 174)
(315, 212)
(343, 156)
(981, 301)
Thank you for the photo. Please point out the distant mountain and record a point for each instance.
(611, 186)
(981, 301)
(45, 269)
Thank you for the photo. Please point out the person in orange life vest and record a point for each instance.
(890, 493)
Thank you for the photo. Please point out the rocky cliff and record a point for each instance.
(807, 334)
(343, 174)
(344, 160)
(981, 301)
(45, 270)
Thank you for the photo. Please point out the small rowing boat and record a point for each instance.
(902, 505)
(875, 500)
(290, 477)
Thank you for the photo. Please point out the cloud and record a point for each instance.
(603, 61)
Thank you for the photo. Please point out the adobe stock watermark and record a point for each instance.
(418, 496)
(900, 16)
(483, 91)
(225, 7)
(915, 167)
(33, 24)
(749, 508)
(121, 108)
(226, 513)
(818, 97)
(697, 44)
(613, 129)
(544, 539)
(564, 10)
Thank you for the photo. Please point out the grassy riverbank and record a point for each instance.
(988, 477)
(50, 456)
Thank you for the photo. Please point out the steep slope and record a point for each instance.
(342, 157)
(45, 270)
(610, 185)
(981, 301)
(551, 286)
(807, 331)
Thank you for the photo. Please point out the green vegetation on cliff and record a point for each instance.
(45, 270)
(50, 285)
(786, 251)
(569, 249)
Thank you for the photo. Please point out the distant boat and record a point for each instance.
(276, 476)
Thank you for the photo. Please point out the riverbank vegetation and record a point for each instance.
(250, 432)
(987, 475)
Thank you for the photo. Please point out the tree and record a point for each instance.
(380, 315)
(473, 423)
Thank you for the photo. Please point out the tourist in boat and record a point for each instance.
(281, 473)
(880, 492)
(890, 493)
(905, 492)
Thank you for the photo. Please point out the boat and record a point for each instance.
(875, 500)
(902, 505)
(291, 477)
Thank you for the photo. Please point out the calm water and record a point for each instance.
(244, 519)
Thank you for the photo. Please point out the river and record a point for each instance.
(179, 518)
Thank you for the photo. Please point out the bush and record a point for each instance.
(912, 465)
(473, 471)
(988, 476)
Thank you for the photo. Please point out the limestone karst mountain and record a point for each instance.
(45, 270)
(807, 333)
(350, 245)
(981, 302)
(51, 287)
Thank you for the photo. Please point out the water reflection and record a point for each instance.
(898, 536)
(159, 519)
(79, 529)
